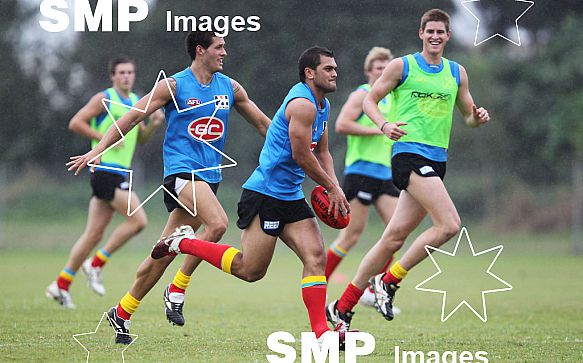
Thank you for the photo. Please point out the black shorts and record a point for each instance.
(274, 214)
(104, 183)
(170, 183)
(367, 189)
(403, 164)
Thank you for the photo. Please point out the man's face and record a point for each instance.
(434, 37)
(213, 56)
(376, 70)
(124, 76)
(325, 74)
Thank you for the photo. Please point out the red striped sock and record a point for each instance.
(173, 288)
(122, 313)
(315, 300)
(97, 262)
(387, 265)
(208, 251)
(349, 298)
(388, 278)
(332, 261)
(63, 283)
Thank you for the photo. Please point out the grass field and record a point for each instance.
(540, 320)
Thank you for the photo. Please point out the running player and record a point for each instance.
(367, 174)
(272, 204)
(110, 186)
(200, 91)
(425, 88)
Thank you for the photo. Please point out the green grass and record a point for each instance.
(540, 320)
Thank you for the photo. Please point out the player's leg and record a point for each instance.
(430, 193)
(348, 237)
(212, 215)
(385, 206)
(121, 234)
(305, 239)
(98, 217)
(148, 274)
(408, 214)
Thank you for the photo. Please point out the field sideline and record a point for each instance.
(540, 320)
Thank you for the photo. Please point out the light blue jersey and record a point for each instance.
(184, 151)
(278, 175)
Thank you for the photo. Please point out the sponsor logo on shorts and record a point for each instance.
(364, 195)
(270, 224)
(193, 102)
(206, 129)
(124, 185)
(426, 170)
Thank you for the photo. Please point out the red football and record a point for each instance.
(320, 204)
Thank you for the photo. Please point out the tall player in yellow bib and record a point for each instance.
(110, 185)
(425, 88)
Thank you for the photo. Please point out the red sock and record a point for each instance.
(332, 261)
(387, 265)
(388, 278)
(315, 301)
(63, 284)
(208, 251)
(97, 262)
(349, 298)
(173, 288)
(122, 313)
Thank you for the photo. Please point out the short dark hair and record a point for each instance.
(310, 58)
(435, 15)
(195, 38)
(113, 63)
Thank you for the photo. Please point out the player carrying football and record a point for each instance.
(425, 88)
(272, 204)
(200, 91)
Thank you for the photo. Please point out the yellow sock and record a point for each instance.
(227, 259)
(398, 271)
(181, 280)
(129, 303)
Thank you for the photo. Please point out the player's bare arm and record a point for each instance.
(162, 95)
(346, 122)
(80, 123)
(473, 116)
(147, 130)
(301, 113)
(387, 82)
(249, 110)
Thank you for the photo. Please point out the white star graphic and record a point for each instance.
(218, 106)
(484, 316)
(517, 35)
(104, 316)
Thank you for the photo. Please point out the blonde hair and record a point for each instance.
(377, 53)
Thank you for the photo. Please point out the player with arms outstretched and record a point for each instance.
(200, 91)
